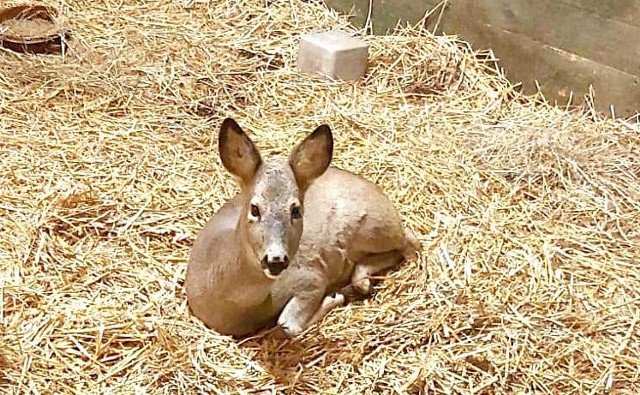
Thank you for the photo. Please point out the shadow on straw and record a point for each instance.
(284, 359)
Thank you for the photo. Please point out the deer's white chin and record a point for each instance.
(268, 274)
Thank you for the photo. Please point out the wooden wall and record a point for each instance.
(565, 45)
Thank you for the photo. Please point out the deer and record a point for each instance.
(294, 243)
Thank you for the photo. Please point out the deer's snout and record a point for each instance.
(275, 264)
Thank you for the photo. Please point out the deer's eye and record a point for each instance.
(295, 212)
(255, 211)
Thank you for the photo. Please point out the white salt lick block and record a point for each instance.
(334, 54)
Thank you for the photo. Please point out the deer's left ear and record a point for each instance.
(311, 158)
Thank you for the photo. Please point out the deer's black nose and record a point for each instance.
(275, 264)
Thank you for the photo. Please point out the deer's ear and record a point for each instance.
(311, 158)
(238, 153)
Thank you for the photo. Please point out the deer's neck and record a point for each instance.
(247, 286)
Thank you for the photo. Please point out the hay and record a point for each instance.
(528, 213)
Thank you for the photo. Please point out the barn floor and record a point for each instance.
(529, 214)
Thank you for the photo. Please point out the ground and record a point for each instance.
(528, 214)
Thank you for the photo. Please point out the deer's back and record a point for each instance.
(346, 217)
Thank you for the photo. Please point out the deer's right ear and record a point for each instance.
(238, 153)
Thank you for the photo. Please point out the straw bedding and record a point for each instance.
(528, 213)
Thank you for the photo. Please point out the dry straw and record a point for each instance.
(529, 214)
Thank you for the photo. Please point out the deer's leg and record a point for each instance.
(370, 265)
(306, 309)
(329, 303)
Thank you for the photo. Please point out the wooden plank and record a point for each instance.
(388, 13)
(358, 8)
(385, 14)
(599, 42)
(560, 25)
(558, 72)
(627, 11)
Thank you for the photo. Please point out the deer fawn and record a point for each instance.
(253, 266)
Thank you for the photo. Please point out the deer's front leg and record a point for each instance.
(304, 310)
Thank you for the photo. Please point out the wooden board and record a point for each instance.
(564, 26)
(627, 11)
(564, 48)
(385, 13)
(560, 73)
(565, 45)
